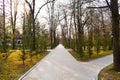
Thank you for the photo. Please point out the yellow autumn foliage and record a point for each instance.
(15, 56)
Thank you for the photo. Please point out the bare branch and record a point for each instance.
(29, 5)
(108, 3)
(42, 7)
(85, 21)
(98, 7)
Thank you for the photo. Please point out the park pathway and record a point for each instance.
(59, 64)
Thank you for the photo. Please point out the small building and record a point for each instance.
(18, 40)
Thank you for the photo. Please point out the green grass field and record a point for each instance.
(109, 74)
(87, 57)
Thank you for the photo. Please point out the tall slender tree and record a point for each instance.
(4, 31)
(113, 5)
(52, 24)
(34, 17)
(13, 18)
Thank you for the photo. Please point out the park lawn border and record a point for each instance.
(88, 58)
(108, 73)
(20, 69)
(29, 70)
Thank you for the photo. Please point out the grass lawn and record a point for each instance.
(13, 69)
(109, 74)
(87, 57)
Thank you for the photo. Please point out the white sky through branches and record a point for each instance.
(43, 13)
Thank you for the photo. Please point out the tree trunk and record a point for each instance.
(54, 36)
(80, 29)
(52, 25)
(4, 31)
(12, 24)
(51, 38)
(34, 27)
(13, 44)
(13, 19)
(115, 32)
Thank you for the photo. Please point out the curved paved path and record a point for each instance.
(60, 65)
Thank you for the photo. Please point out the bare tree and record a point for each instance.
(52, 24)
(13, 18)
(4, 31)
(80, 12)
(113, 5)
(23, 56)
(33, 16)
